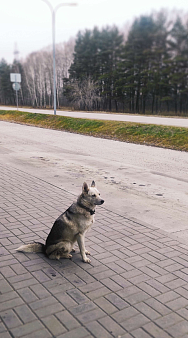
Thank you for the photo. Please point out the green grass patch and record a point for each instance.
(148, 134)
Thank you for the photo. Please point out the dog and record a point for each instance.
(69, 227)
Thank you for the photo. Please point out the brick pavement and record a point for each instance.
(136, 285)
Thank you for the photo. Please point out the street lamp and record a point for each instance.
(53, 11)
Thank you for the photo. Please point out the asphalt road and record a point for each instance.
(136, 181)
(167, 121)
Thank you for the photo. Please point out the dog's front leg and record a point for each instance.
(81, 244)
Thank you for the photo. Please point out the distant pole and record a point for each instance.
(17, 99)
(54, 68)
(53, 12)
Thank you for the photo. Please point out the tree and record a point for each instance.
(84, 94)
(136, 63)
(6, 91)
(96, 56)
(178, 65)
(38, 74)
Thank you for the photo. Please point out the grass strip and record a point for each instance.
(147, 134)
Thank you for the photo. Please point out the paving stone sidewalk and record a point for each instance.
(136, 285)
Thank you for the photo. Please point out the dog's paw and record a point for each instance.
(73, 250)
(87, 252)
(87, 260)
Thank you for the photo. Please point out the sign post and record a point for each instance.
(16, 79)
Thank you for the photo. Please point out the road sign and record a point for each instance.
(16, 86)
(15, 77)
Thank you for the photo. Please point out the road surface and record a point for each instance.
(166, 121)
(136, 181)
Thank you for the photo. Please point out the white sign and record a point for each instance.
(15, 77)
(16, 86)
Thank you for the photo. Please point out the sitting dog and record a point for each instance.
(69, 227)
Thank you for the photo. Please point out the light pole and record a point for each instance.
(53, 12)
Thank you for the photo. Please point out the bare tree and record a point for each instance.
(30, 76)
(64, 58)
(84, 94)
(39, 73)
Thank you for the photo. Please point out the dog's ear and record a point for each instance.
(93, 184)
(85, 188)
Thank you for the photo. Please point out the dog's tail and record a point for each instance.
(32, 247)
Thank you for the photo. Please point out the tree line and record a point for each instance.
(146, 72)
(37, 77)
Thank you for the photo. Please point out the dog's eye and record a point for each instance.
(94, 195)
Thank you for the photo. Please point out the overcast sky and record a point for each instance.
(28, 22)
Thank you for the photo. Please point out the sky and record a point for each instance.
(28, 23)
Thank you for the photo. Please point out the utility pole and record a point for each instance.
(53, 12)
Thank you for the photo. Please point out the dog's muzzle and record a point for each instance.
(102, 201)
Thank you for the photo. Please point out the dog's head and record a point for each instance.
(92, 194)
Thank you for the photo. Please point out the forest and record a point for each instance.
(143, 70)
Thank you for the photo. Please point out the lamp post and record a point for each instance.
(53, 12)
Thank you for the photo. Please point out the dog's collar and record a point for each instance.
(92, 212)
